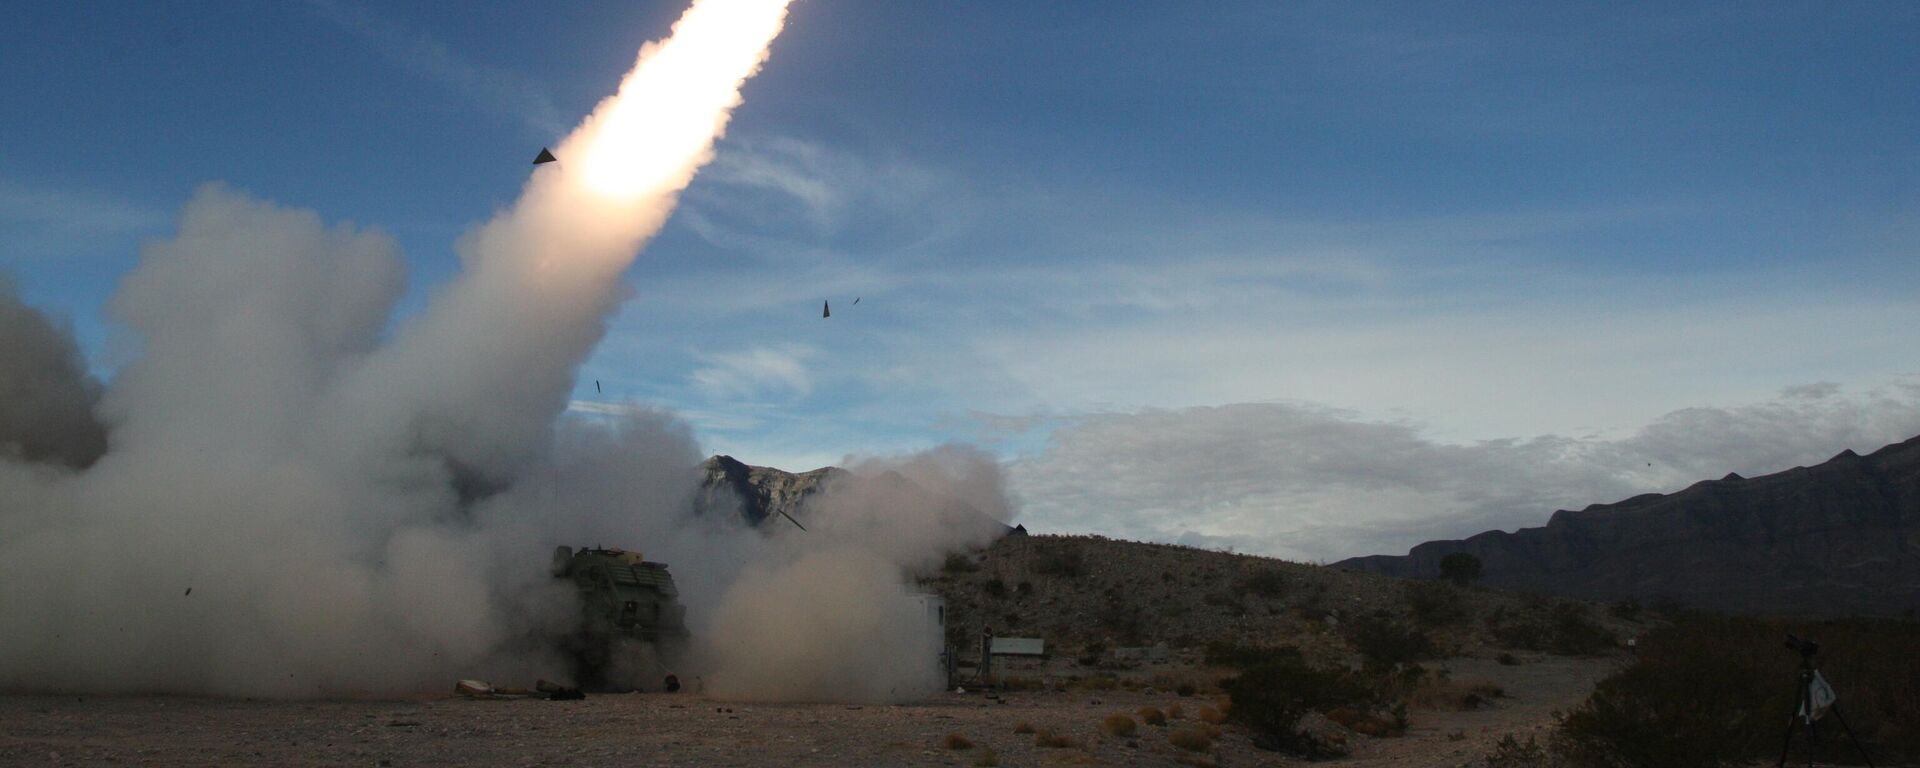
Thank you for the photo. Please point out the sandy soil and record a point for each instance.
(687, 730)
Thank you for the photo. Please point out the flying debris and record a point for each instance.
(596, 386)
(544, 157)
(826, 310)
(856, 299)
(189, 591)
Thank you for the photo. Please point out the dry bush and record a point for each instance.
(956, 741)
(1063, 562)
(1266, 584)
(1023, 727)
(985, 758)
(1507, 659)
(1713, 690)
(1193, 761)
(1153, 716)
(1435, 603)
(1176, 712)
(1184, 684)
(1047, 739)
(1190, 739)
(1118, 726)
(1385, 644)
(1565, 629)
(1211, 715)
(1513, 753)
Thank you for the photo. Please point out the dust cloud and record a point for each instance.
(287, 495)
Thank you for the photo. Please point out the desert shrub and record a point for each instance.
(1575, 634)
(956, 741)
(1176, 712)
(1510, 752)
(1385, 644)
(1184, 690)
(1125, 621)
(1190, 739)
(1435, 603)
(1153, 716)
(1023, 589)
(1211, 715)
(1062, 562)
(1710, 691)
(1460, 568)
(959, 562)
(1047, 739)
(1565, 630)
(1271, 698)
(1226, 653)
(1507, 659)
(1118, 726)
(986, 758)
(1023, 727)
(994, 588)
(1221, 599)
(1265, 584)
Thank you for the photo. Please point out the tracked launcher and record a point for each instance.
(632, 629)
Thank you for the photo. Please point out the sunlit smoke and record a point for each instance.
(647, 139)
(294, 501)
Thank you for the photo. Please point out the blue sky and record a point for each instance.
(1088, 236)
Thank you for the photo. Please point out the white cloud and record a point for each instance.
(71, 211)
(1314, 483)
(755, 372)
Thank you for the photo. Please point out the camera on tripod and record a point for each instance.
(1807, 648)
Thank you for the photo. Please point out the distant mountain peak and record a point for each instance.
(1837, 538)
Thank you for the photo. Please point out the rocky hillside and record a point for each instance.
(1838, 539)
(758, 493)
(1088, 592)
(767, 496)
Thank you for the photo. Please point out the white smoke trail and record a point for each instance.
(280, 509)
(483, 372)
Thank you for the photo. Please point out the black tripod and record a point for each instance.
(1803, 711)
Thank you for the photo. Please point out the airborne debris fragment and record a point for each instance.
(544, 157)
(481, 689)
(826, 309)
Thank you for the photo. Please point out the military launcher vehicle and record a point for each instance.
(632, 627)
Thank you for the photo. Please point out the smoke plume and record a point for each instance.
(298, 498)
(46, 396)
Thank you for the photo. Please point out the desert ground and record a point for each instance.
(643, 729)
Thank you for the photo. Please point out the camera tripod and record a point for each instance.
(1803, 708)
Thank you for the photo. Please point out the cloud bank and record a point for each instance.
(1314, 483)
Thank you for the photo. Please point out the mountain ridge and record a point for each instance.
(1839, 538)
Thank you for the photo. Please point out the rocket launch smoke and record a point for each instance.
(361, 514)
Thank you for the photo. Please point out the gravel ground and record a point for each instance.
(685, 730)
